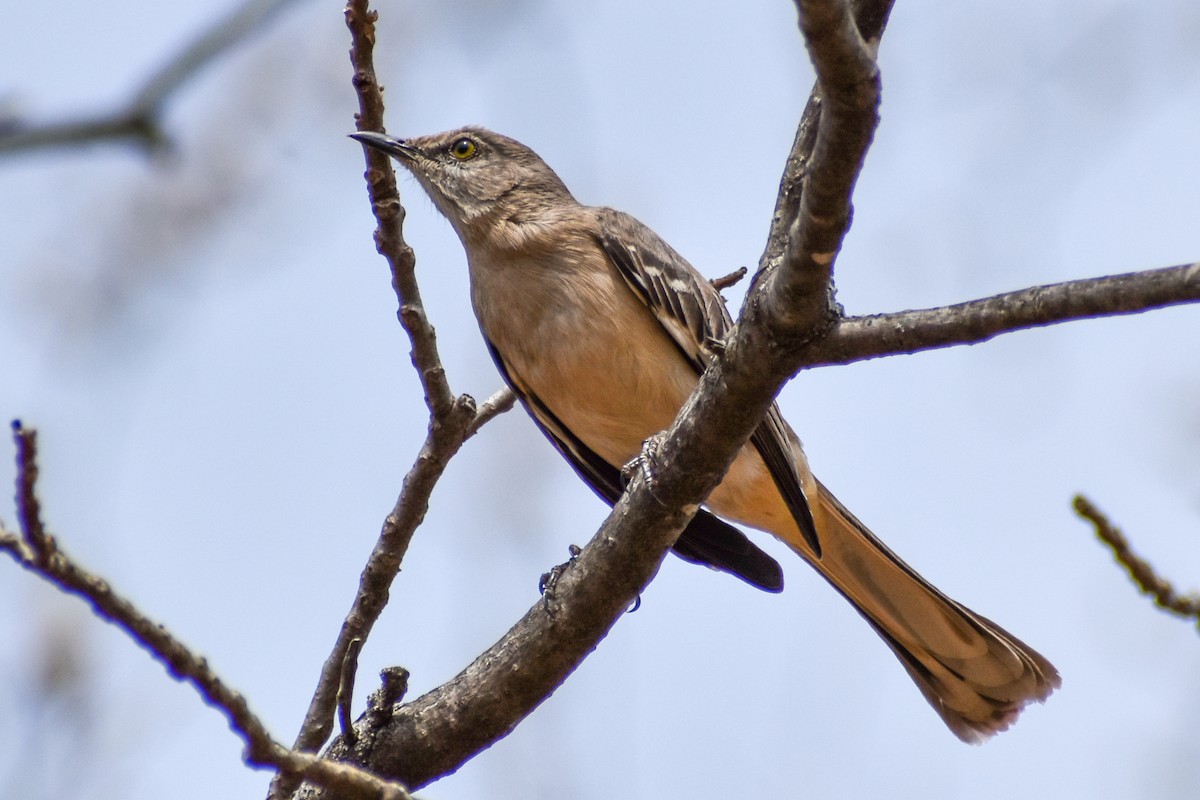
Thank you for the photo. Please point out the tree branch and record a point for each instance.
(38, 552)
(1140, 571)
(500, 402)
(813, 211)
(434, 734)
(858, 338)
(871, 16)
(453, 419)
(139, 120)
(788, 322)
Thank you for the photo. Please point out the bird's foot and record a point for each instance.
(646, 463)
(549, 580)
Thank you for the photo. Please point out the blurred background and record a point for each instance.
(206, 340)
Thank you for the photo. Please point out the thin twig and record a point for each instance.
(725, 281)
(489, 409)
(389, 214)
(345, 695)
(29, 509)
(41, 555)
(139, 120)
(1140, 571)
(452, 419)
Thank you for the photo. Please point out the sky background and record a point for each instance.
(207, 342)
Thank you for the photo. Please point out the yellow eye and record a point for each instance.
(463, 149)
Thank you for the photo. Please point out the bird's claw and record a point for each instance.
(646, 462)
(549, 580)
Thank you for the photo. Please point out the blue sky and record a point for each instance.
(207, 343)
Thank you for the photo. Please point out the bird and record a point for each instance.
(602, 330)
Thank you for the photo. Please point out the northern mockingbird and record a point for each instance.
(603, 330)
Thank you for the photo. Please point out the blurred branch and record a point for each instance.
(140, 119)
(37, 551)
(29, 508)
(1139, 570)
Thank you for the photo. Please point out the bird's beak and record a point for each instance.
(384, 143)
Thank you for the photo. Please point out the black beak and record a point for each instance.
(393, 147)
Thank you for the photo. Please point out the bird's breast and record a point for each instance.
(588, 349)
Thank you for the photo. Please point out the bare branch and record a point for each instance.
(494, 406)
(778, 334)
(813, 211)
(139, 119)
(434, 734)
(858, 338)
(725, 281)
(389, 213)
(871, 16)
(345, 695)
(453, 419)
(39, 553)
(442, 442)
(29, 509)
(1139, 570)
(437, 732)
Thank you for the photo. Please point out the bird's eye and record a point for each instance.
(463, 149)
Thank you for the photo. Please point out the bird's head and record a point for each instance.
(476, 177)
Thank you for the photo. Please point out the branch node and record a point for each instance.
(393, 687)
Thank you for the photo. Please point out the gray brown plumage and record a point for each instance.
(602, 330)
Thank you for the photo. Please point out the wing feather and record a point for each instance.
(693, 314)
(706, 540)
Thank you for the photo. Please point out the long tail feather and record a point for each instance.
(975, 674)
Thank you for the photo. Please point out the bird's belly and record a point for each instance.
(747, 494)
(614, 394)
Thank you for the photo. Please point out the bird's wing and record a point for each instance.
(693, 314)
(706, 540)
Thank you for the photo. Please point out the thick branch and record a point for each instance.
(871, 16)
(436, 733)
(813, 212)
(433, 735)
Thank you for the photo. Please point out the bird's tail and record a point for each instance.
(975, 674)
